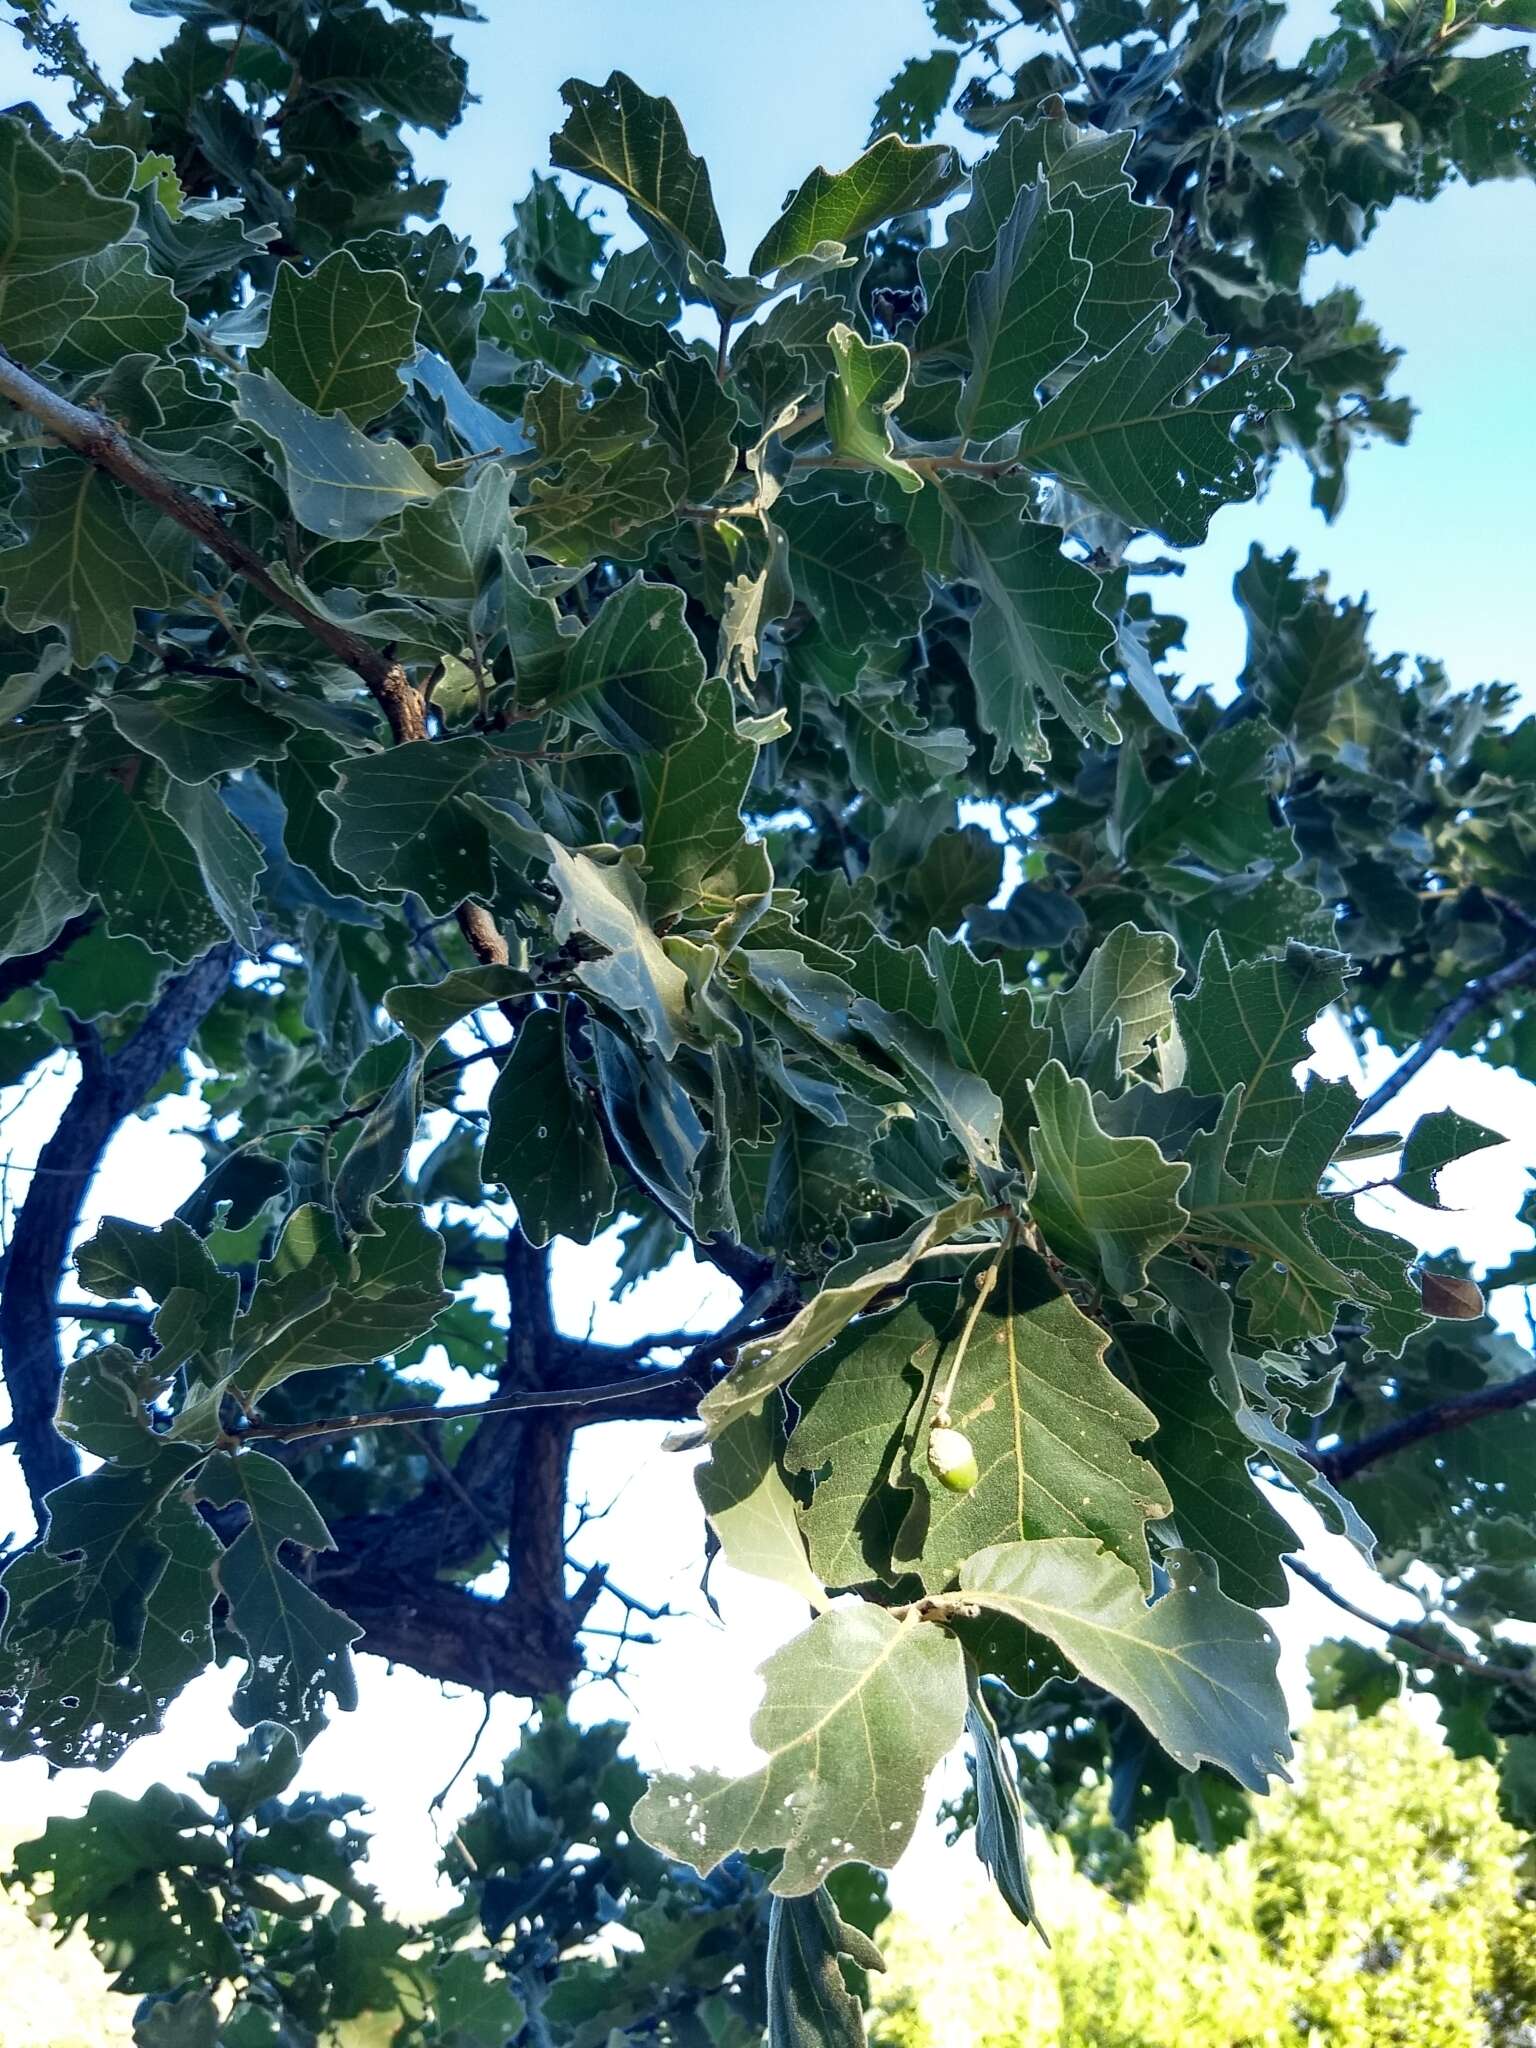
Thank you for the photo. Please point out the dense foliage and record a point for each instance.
(1382, 1899)
(730, 703)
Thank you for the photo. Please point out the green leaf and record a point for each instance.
(856, 1713)
(635, 144)
(1118, 1008)
(49, 215)
(750, 1507)
(1194, 1666)
(544, 1143)
(869, 382)
(999, 1812)
(1297, 1244)
(993, 1030)
(1038, 635)
(1105, 1204)
(475, 2004)
(426, 1010)
(606, 903)
(197, 731)
(1247, 1026)
(401, 822)
(634, 675)
(40, 885)
(269, 1493)
(1120, 237)
(90, 558)
(338, 335)
(838, 206)
(809, 2003)
(1203, 1455)
(697, 418)
(1434, 1142)
(691, 797)
(340, 485)
(133, 310)
(1126, 434)
(852, 1285)
(141, 868)
(962, 1099)
(1021, 316)
(230, 860)
(1051, 1427)
(39, 307)
(318, 1303)
(444, 549)
(857, 574)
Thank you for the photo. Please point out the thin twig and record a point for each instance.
(1477, 995)
(1437, 1653)
(1454, 1412)
(498, 1404)
(1076, 48)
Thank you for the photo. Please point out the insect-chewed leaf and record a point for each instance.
(856, 1712)
(1126, 432)
(1435, 1142)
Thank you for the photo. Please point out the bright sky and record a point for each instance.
(1431, 533)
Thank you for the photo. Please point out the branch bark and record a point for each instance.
(103, 444)
(1454, 1412)
(1477, 995)
(110, 1088)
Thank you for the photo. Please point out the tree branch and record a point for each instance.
(1454, 1412)
(103, 444)
(109, 1089)
(665, 1392)
(1437, 1653)
(1475, 996)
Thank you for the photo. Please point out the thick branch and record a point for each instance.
(101, 442)
(1477, 995)
(109, 1089)
(448, 1632)
(1427, 1647)
(1454, 1412)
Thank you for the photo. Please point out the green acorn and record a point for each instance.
(951, 1459)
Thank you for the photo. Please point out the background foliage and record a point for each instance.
(733, 709)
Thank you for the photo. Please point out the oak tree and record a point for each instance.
(726, 697)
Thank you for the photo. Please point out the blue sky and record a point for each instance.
(1436, 534)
